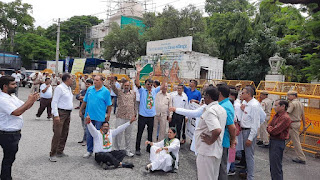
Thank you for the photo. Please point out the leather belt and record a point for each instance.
(10, 132)
(245, 128)
(64, 110)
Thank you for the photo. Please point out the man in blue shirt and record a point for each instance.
(96, 101)
(193, 94)
(147, 109)
(229, 136)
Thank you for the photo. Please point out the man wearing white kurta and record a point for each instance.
(102, 144)
(208, 136)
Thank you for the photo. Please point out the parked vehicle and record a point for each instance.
(7, 71)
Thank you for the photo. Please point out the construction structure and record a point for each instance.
(121, 12)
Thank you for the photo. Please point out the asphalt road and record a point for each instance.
(32, 158)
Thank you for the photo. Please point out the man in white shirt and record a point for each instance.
(114, 97)
(62, 104)
(103, 146)
(11, 122)
(250, 122)
(179, 100)
(45, 99)
(17, 76)
(208, 134)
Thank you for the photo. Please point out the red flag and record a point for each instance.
(318, 142)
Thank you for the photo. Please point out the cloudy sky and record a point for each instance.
(44, 11)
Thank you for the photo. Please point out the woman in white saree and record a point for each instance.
(164, 155)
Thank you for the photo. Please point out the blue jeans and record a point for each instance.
(114, 103)
(97, 124)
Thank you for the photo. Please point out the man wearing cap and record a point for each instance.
(36, 82)
(296, 113)
(266, 105)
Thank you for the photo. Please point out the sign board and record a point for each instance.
(192, 122)
(52, 65)
(183, 44)
(78, 65)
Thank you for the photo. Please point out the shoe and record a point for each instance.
(53, 159)
(243, 175)
(127, 165)
(138, 153)
(259, 143)
(148, 167)
(50, 119)
(37, 118)
(80, 141)
(62, 155)
(87, 155)
(264, 146)
(231, 173)
(298, 161)
(104, 166)
(84, 144)
(130, 154)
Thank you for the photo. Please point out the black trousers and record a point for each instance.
(276, 148)
(10, 145)
(142, 122)
(113, 157)
(176, 122)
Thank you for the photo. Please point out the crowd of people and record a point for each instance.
(230, 122)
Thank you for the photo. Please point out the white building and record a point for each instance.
(129, 9)
(175, 56)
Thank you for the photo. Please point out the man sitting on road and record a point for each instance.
(103, 144)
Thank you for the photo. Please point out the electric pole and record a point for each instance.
(57, 48)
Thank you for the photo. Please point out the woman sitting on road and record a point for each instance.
(164, 155)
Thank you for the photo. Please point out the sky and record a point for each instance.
(45, 12)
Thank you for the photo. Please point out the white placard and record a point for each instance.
(192, 122)
(183, 44)
(52, 65)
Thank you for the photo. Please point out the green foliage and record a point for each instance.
(124, 44)
(224, 6)
(73, 33)
(34, 47)
(253, 63)
(14, 17)
(231, 31)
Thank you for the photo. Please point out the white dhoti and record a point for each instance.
(208, 167)
(160, 161)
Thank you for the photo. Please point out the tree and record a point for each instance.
(230, 31)
(224, 6)
(172, 23)
(253, 63)
(14, 18)
(126, 44)
(34, 47)
(73, 33)
(305, 2)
